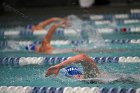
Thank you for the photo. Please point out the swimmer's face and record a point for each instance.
(37, 48)
(78, 76)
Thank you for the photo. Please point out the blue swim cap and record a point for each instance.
(72, 70)
(30, 47)
(29, 27)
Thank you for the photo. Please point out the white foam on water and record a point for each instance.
(14, 45)
(75, 23)
(83, 28)
(73, 26)
(94, 36)
(109, 78)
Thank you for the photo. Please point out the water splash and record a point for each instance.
(74, 22)
(95, 38)
(85, 31)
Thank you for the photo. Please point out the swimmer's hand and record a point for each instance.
(52, 70)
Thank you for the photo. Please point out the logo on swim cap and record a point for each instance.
(72, 70)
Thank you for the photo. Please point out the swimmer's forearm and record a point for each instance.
(66, 63)
(74, 59)
(45, 44)
(49, 35)
(46, 22)
(41, 25)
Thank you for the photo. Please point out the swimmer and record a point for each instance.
(89, 67)
(90, 73)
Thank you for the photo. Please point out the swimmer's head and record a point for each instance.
(73, 71)
(30, 47)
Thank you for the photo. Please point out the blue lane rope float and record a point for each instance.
(26, 31)
(116, 41)
(69, 32)
(107, 20)
(116, 16)
(117, 22)
(15, 61)
(1, 33)
(4, 44)
(29, 33)
(61, 32)
(28, 89)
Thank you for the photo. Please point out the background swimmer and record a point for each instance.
(70, 21)
(46, 47)
(45, 44)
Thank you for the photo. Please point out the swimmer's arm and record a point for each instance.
(46, 41)
(75, 59)
(79, 59)
(51, 31)
(41, 25)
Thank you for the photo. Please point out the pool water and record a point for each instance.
(33, 75)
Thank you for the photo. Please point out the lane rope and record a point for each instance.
(15, 61)
(28, 89)
(25, 43)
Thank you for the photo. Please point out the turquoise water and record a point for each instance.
(34, 75)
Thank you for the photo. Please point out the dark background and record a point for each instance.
(37, 10)
(49, 3)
